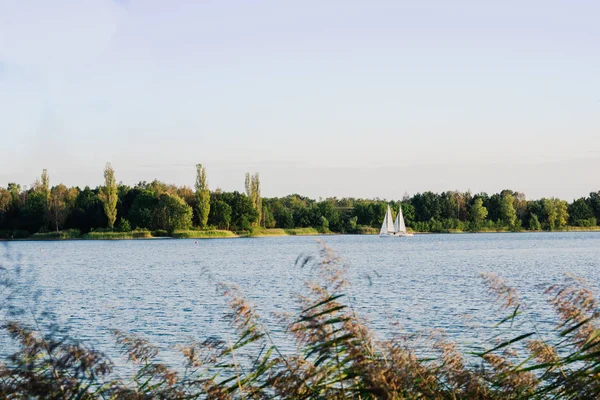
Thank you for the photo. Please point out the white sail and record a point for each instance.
(395, 229)
(384, 226)
(388, 225)
(399, 225)
(390, 219)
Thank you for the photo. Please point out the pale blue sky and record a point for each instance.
(323, 98)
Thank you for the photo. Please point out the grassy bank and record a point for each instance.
(367, 230)
(582, 229)
(203, 234)
(262, 232)
(68, 234)
(265, 232)
(302, 231)
(136, 234)
(218, 233)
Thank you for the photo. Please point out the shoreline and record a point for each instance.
(260, 234)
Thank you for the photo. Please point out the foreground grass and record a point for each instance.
(337, 356)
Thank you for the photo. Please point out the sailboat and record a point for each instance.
(395, 229)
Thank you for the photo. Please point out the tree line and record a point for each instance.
(162, 207)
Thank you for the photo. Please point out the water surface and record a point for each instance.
(165, 289)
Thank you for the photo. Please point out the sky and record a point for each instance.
(322, 98)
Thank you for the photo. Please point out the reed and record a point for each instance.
(302, 231)
(203, 234)
(260, 232)
(367, 230)
(337, 356)
(66, 234)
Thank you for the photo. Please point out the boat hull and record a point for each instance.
(392, 235)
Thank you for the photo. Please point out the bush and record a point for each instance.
(123, 226)
(160, 233)
(20, 234)
(586, 222)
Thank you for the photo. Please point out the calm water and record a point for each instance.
(165, 289)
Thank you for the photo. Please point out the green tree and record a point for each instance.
(88, 212)
(172, 213)
(508, 214)
(268, 218)
(594, 203)
(283, 216)
(478, 213)
(243, 212)
(203, 196)
(5, 203)
(220, 214)
(109, 195)
(62, 200)
(580, 213)
(33, 212)
(534, 223)
(142, 210)
(550, 213)
(562, 214)
(15, 191)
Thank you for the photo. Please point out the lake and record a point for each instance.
(165, 290)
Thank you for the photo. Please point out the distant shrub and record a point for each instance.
(123, 226)
(20, 234)
(160, 233)
(586, 222)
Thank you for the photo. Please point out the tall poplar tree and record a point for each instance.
(203, 195)
(257, 197)
(508, 214)
(252, 184)
(109, 195)
(43, 188)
